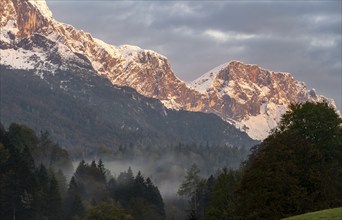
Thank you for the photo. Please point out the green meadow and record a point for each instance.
(326, 214)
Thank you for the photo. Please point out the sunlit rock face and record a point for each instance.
(27, 17)
(252, 98)
(249, 97)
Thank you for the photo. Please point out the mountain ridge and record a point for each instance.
(47, 86)
(87, 113)
(241, 94)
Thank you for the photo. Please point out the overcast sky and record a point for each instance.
(300, 37)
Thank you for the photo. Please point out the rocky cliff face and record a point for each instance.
(247, 96)
(27, 17)
(146, 71)
(252, 98)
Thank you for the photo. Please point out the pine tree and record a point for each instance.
(224, 199)
(24, 184)
(73, 205)
(130, 176)
(154, 197)
(55, 201)
(62, 185)
(139, 186)
(190, 186)
(41, 197)
(102, 169)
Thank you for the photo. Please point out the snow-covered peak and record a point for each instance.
(203, 83)
(112, 50)
(250, 97)
(42, 7)
(127, 50)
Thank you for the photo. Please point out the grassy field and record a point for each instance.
(327, 214)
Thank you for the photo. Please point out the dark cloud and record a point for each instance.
(300, 37)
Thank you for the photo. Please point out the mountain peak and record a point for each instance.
(246, 95)
(42, 7)
(23, 17)
(251, 97)
(205, 82)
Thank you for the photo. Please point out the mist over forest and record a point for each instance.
(181, 181)
(98, 131)
(167, 166)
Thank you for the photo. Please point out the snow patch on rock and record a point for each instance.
(9, 30)
(259, 127)
(27, 60)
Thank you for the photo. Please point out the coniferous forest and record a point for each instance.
(33, 185)
(297, 169)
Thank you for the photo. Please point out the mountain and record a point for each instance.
(49, 83)
(86, 113)
(247, 96)
(144, 70)
(252, 98)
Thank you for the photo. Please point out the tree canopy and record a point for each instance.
(298, 168)
(31, 190)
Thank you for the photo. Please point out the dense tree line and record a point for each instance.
(212, 198)
(215, 155)
(208, 157)
(297, 169)
(29, 190)
(94, 185)
(31, 186)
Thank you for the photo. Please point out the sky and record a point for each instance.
(299, 37)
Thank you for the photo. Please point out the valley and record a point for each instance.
(90, 130)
